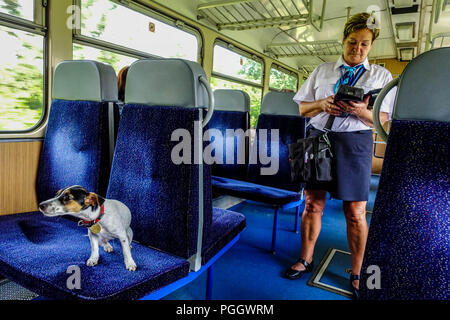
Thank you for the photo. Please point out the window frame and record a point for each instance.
(37, 27)
(279, 68)
(80, 39)
(231, 47)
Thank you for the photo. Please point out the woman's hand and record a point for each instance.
(358, 109)
(327, 105)
(313, 108)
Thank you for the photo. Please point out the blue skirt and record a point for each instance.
(351, 166)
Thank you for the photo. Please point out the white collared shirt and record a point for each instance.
(320, 85)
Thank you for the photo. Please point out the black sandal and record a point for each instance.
(355, 291)
(296, 274)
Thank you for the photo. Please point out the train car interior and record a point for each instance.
(146, 150)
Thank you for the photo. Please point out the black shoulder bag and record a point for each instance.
(310, 158)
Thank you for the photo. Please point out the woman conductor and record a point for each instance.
(351, 139)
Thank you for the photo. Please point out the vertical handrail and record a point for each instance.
(209, 114)
(377, 105)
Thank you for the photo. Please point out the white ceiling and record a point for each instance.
(334, 19)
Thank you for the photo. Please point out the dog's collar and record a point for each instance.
(89, 224)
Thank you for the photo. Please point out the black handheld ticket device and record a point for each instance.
(348, 93)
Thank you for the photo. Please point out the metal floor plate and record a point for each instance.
(331, 275)
(12, 291)
(226, 202)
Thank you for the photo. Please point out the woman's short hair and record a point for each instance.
(361, 21)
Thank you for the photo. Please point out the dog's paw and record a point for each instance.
(91, 262)
(131, 266)
(108, 248)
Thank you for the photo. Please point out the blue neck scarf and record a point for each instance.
(349, 77)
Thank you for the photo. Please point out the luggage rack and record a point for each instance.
(305, 48)
(256, 14)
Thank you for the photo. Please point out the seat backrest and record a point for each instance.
(156, 169)
(279, 125)
(76, 145)
(229, 133)
(409, 230)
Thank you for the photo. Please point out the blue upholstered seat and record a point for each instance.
(76, 144)
(225, 226)
(169, 198)
(278, 113)
(170, 203)
(162, 196)
(279, 125)
(36, 252)
(290, 128)
(253, 191)
(409, 231)
(231, 112)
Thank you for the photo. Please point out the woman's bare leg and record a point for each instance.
(357, 230)
(311, 224)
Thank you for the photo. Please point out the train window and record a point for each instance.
(236, 69)
(282, 80)
(236, 65)
(20, 8)
(255, 94)
(22, 74)
(102, 23)
(116, 60)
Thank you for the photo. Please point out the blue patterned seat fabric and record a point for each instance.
(231, 112)
(278, 112)
(409, 230)
(36, 251)
(75, 149)
(163, 196)
(410, 227)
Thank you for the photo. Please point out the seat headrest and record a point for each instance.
(423, 90)
(85, 80)
(279, 103)
(231, 100)
(166, 82)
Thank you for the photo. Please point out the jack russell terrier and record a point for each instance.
(106, 219)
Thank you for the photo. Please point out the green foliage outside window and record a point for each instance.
(117, 61)
(105, 20)
(280, 80)
(19, 8)
(252, 70)
(254, 93)
(21, 74)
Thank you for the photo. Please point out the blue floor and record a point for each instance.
(250, 272)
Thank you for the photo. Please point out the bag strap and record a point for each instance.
(331, 118)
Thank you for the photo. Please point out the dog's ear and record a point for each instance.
(58, 192)
(91, 200)
(77, 187)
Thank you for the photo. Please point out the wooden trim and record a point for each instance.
(377, 163)
(18, 172)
